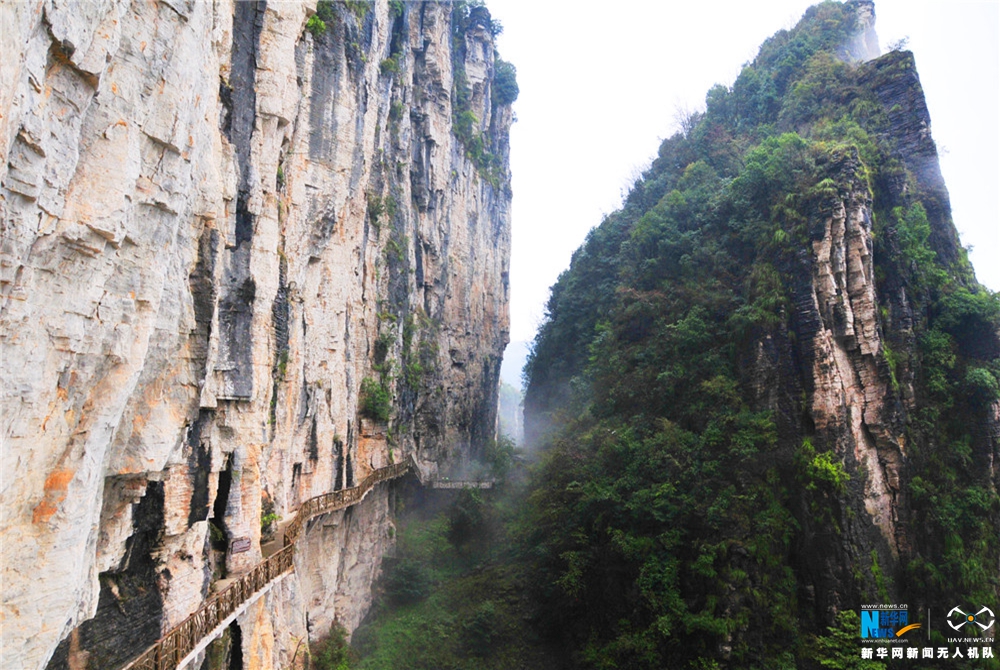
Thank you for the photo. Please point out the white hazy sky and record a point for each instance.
(601, 84)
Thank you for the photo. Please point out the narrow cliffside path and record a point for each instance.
(173, 649)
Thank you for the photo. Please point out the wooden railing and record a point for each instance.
(335, 500)
(462, 483)
(173, 647)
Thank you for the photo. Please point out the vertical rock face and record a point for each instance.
(242, 260)
(862, 44)
(834, 387)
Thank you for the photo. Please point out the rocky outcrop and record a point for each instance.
(245, 260)
(850, 379)
(862, 43)
(895, 82)
(832, 386)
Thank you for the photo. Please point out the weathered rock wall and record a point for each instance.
(845, 373)
(218, 226)
(826, 379)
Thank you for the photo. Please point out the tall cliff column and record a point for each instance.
(248, 255)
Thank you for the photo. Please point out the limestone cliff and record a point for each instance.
(246, 260)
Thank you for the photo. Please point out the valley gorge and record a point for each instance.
(252, 253)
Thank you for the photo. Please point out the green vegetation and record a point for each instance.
(332, 652)
(316, 25)
(380, 208)
(383, 344)
(376, 400)
(504, 89)
(407, 582)
(413, 373)
(268, 517)
(325, 11)
(455, 595)
(880, 585)
(375, 208)
(395, 249)
(216, 535)
(325, 15)
(499, 457)
(389, 66)
(282, 365)
(688, 492)
(218, 651)
(839, 648)
(822, 469)
(358, 7)
(396, 111)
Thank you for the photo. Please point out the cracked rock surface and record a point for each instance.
(218, 226)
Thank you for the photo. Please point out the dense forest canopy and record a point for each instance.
(695, 506)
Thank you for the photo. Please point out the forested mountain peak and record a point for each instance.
(768, 385)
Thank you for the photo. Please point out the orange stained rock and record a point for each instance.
(261, 645)
(55, 492)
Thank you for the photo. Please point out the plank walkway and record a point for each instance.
(461, 484)
(179, 642)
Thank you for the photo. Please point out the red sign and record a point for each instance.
(239, 545)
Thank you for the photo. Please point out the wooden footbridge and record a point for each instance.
(218, 611)
(194, 633)
(461, 483)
